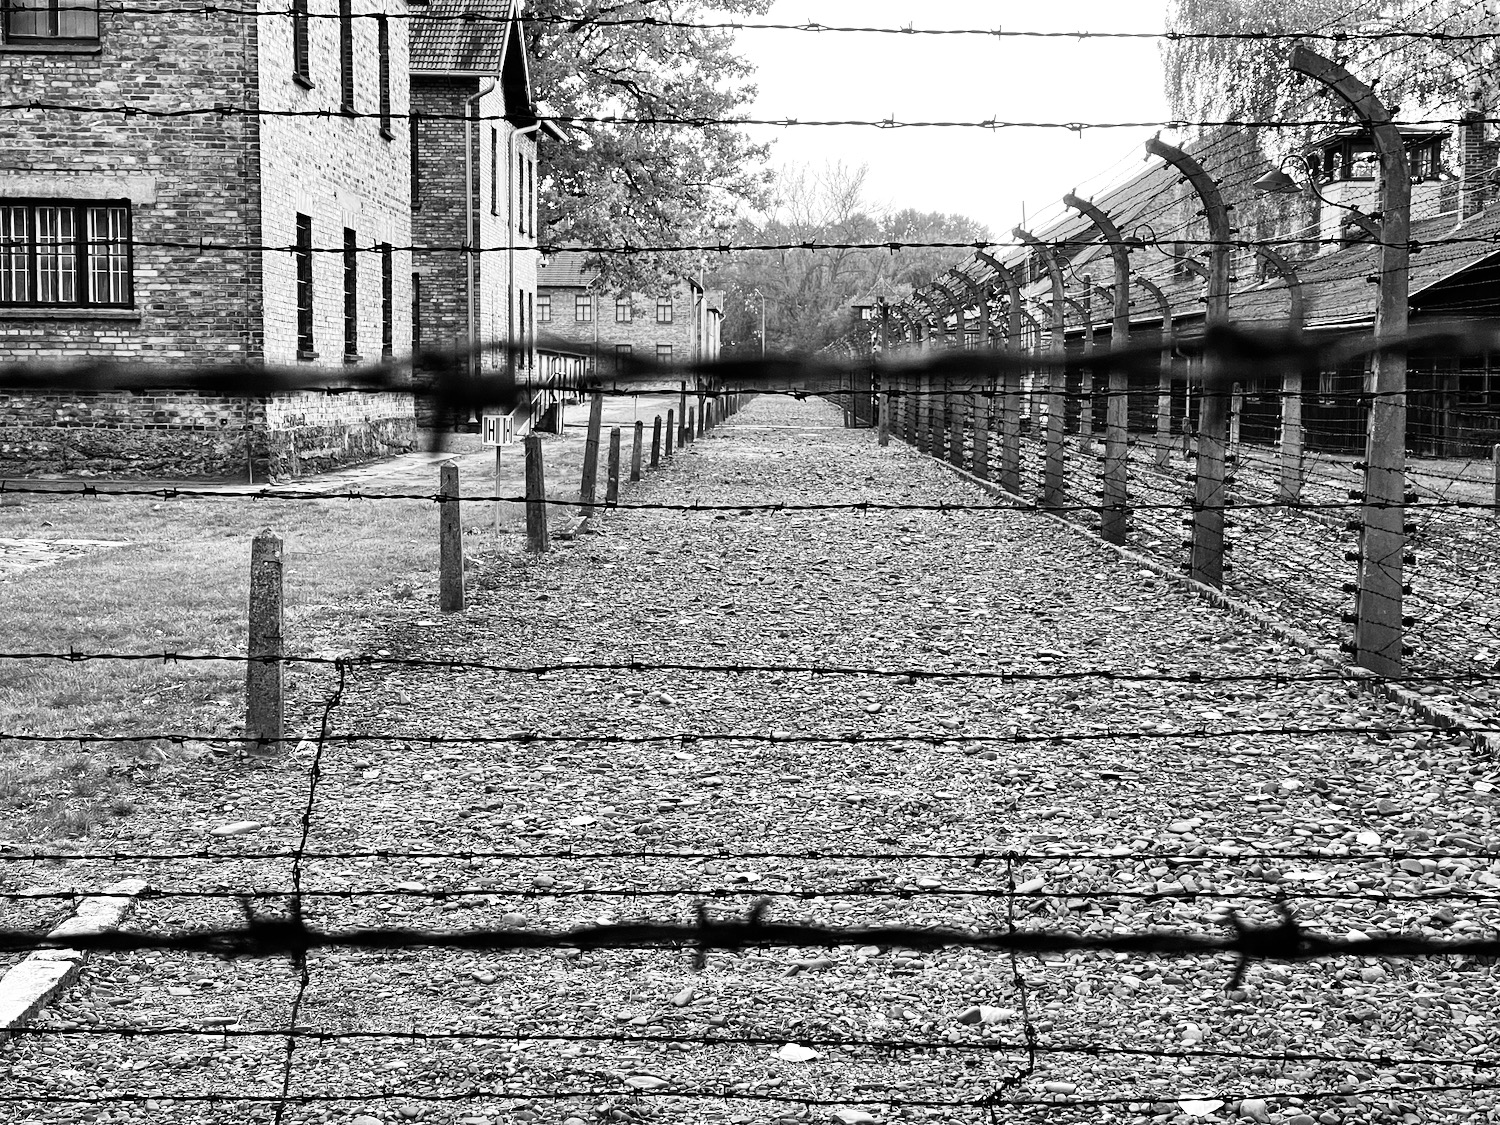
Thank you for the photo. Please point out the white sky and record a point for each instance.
(986, 174)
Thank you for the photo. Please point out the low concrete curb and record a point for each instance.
(1435, 713)
(36, 981)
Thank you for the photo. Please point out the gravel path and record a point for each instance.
(1129, 828)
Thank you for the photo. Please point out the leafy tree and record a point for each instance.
(808, 293)
(1248, 78)
(644, 184)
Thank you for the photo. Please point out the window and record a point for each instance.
(623, 349)
(65, 253)
(622, 310)
(664, 353)
(544, 307)
(531, 343)
(531, 202)
(346, 56)
(383, 47)
(494, 171)
(583, 308)
(351, 297)
(301, 44)
(35, 20)
(525, 219)
(664, 310)
(416, 313)
(416, 164)
(303, 256)
(387, 302)
(520, 201)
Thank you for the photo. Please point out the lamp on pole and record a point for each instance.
(1378, 626)
(762, 297)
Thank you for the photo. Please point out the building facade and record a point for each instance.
(680, 324)
(228, 235)
(476, 140)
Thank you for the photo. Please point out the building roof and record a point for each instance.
(565, 270)
(1337, 289)
(479, 37)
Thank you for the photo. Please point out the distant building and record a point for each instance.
(680, 324)
(474, 178)
(135, 237)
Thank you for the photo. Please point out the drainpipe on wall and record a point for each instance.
(471, 104)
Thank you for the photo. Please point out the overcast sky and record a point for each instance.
(986, 174)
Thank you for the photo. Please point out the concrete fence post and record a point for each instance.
(588, 489)
(635, 450)
(450, 542)
(264, 672)
(612, 481)
(536, 496)
(671, 431)
(656, 442)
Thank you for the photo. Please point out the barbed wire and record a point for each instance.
(576, 23)
(457, 664)
(801, 1037)
(772, 738)
(289, 935)
(700, 121)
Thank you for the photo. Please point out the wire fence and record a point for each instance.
(1053, 422)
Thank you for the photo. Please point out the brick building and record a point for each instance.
(140, 237)
(476, 134)
(679, 325)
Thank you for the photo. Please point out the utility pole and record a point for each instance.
(1378, 626)
(1207, 565)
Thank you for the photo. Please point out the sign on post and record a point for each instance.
(497, 429)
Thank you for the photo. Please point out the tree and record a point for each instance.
(808, 293)
(644, 184)
(1248, 78)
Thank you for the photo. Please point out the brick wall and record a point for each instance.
(164, 434)
(642, 333)
(235, 179)
(341, 172)
(505, 267)
(189, 179)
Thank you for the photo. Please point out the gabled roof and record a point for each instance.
(474, 37)
(565, 270)
(1337, 288)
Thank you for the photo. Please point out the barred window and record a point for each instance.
(65, 253)
(387, 301)
(383, 50)
(301, 44)
(42, 20)
(346, 56)
(664, 310)
(351, 297)
(303, 258)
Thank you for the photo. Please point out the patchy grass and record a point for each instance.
(180, 586)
